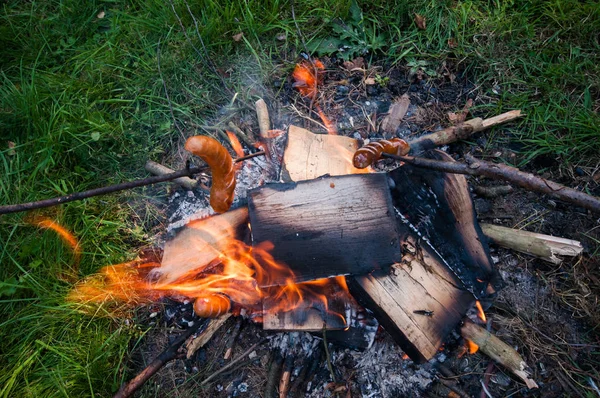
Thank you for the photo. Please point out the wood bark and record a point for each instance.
(545, 247)
(459, 132)
(499, 351)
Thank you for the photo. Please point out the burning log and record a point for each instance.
(197, 244)
(545, 247)
(421, 282)
(498, 350)
(312, 314)
(322, 228)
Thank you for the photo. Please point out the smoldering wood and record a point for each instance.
(421, 281)
(545, 247)
(356, 330)
(499, 351)
(327, 227)
(240, 133)
(309, 316)
(197, 244)
(439, 206)
(212, 326)
(170, 353)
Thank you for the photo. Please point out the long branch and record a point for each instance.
(513, 175)
(167, 355)
(111, 188)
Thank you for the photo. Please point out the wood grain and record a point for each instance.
(327, 227)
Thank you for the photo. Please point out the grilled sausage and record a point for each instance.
(370, 153)
(221, 165)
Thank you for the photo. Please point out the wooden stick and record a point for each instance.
(545, 247)
(234, 335)
(167, 355)
(513, 175)
(230, 364)
(460, 132)
(212, 327)
(241, 134)
(159, 170)
(264, 122)
(274, 371)
(286, 375)
(498, 350)
(112, 188)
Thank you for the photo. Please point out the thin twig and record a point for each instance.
(233, 362)
(112, 188)
(167, 355)
(167, 91)
(513, 175)
(327, 356)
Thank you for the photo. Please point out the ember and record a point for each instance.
(307, 76)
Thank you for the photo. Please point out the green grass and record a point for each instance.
(82, 99)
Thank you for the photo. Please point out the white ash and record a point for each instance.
(295, 343)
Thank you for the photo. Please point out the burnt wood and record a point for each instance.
(421, 283)
(328, 226)
(440, 207)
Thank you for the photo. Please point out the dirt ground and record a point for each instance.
(546, 311)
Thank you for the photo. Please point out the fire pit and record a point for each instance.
(382, 265)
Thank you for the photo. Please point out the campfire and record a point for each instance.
(326, 237)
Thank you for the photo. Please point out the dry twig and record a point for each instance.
(167, 355)
(513, 175)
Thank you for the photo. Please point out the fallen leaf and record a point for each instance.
(369, 81)
(453, 117)
(452, 43)
(11, 150)
(420, 21)
(238, 37)
(356, 63)
(101, 15)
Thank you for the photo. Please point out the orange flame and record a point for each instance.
(480, 311)
(235, 144)
(64, 234)
(472, 348)
(307, 77)
(233, 269)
